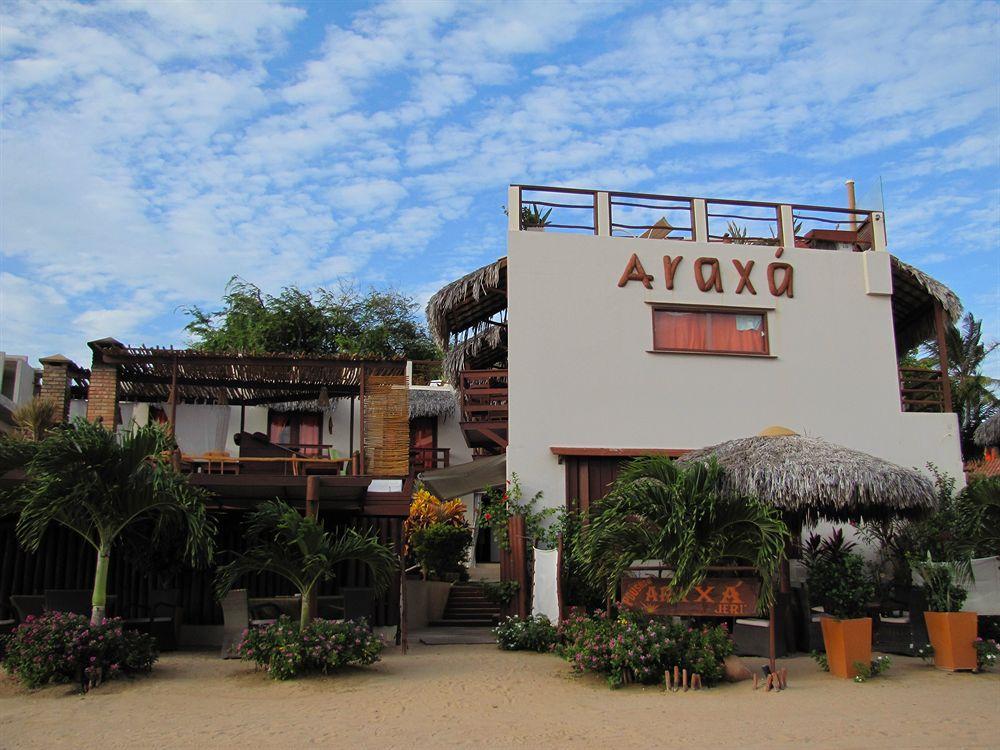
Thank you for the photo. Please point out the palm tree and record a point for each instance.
(103, 485)
(298, 549)
(34, 419)
(972, 393)
(659, 510)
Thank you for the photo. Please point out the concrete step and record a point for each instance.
(461, 623)
(451, 615)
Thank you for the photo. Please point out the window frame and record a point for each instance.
(763, 312)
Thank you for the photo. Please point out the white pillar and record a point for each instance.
(603, 228)
(514, 208)
(699, 219)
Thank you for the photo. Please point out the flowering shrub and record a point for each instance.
(65, 647)
(987, 653)
(541, 527)
(633, 648)
(535, 633)
(284, 651)
(441, 549)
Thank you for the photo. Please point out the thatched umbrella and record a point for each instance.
(807, 477)
(988, 433)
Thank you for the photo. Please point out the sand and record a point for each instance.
(478, 696)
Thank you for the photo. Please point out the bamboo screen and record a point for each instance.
(387, 426)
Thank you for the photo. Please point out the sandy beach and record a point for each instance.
(478, 696)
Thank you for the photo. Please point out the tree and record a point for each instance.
(972, 393)
(298, 549)
(102, 485)
(34, 419)
(679, 515)
(347, 321)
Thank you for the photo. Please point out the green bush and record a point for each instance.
(838, 578)
(500, 592)
(441, 548)
(535, 633)
(64, 647)
(635, 648)
(285, 651)
(940, 585)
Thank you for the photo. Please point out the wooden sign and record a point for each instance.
(713, 597)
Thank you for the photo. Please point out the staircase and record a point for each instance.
(467, 607)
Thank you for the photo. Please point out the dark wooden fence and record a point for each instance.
(65, 561)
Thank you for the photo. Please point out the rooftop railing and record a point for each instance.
(678, 218)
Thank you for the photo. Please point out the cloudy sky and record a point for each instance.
(151, 150)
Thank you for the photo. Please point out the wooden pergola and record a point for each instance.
(171, 376)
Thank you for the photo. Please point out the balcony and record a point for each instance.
(923, 390)
(686, 219)
(483, 401)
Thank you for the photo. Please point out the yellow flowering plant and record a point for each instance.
(427, 510)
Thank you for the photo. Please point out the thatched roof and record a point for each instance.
(913, 296)
(811, 478)
(431, 402)
(988, 433)
(468, 302)
(307, 405)
(479, 352)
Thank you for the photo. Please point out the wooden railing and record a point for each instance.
(320, 450)
(425, 459)
(921, 389)
(671, 217)
(483, 395)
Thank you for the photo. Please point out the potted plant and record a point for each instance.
(952, 633)
(840, 581)
(533, 220)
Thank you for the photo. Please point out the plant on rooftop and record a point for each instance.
(298, 549)
(286, 649)
(532, 217)
(346, 321)
(61, 647)
(679, 515)
(103, 485)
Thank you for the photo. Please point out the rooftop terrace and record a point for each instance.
(687, 219)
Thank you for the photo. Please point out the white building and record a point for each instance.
(634, 324)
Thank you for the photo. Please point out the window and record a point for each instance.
(688, 330)
(9, 375)
(298, 430)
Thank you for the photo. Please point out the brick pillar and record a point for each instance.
(55, 384)
(102, 395)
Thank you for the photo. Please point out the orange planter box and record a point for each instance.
(952, 635)
(847, 641)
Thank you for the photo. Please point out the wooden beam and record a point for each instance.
(619, 452)
(942, 342)
(173, 400)
(361, 419)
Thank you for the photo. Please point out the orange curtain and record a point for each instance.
(279, 428)
(737, 333)
(309, 429)
(680, 330)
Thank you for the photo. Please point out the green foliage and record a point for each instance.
(298, 549)
(987, 653)
(878, 665)
(839, 580)
(532, 217)
(973, 393)
(680, 515)
(534, 633)
(500, 592)
(577, 590)
(34, 419)
(61, 647)
(634, 648)
(441, 548)
(963, 525)
(821, 661)
(942, 583)
(347, 322)
(286, 650)
(104, 485)
(541, 527)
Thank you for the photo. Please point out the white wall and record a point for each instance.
(581, 375)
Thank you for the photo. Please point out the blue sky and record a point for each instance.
(152, 150)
